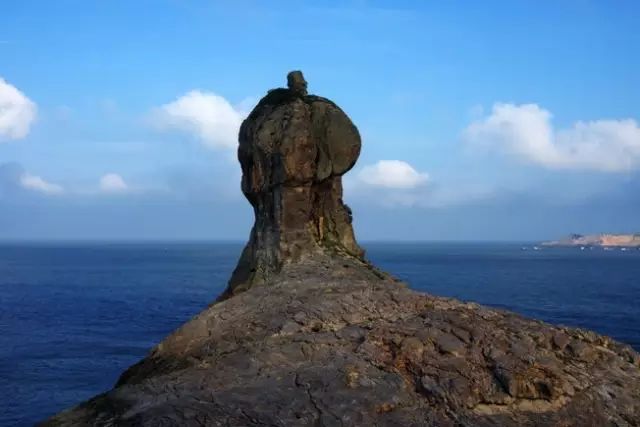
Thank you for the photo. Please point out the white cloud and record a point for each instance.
(207, 116)
(526, 131)
(113, 183)
(36, 183)
(392, 174)
(17, 112)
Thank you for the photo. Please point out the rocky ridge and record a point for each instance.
(309, 333)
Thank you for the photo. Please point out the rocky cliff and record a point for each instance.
(310, 334)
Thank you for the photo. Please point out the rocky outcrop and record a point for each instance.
(294, 149)
(312, 335)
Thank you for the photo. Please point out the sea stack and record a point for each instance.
(308, 333)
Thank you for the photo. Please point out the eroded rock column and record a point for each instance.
(294, 149)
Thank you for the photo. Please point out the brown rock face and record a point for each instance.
(294, 149)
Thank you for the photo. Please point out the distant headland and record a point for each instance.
(604, 240)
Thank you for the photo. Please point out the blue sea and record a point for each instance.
(74, 316)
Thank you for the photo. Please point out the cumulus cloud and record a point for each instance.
(526, 131)
(113, 183)
(407, 187)
(17, 112)
(394, 174)
(36, 183)
(205, 115)
(15, 180)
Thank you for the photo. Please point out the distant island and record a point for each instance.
(619, 240)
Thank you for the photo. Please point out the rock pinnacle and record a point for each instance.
(294, 149)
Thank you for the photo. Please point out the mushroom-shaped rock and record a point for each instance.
(294, 149)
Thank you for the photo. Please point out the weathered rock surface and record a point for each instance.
(310, 334)
(294, 149)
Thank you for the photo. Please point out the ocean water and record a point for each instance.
(74, 316)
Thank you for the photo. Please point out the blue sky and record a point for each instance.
(497, 120)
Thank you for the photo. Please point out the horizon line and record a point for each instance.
(214, 240)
